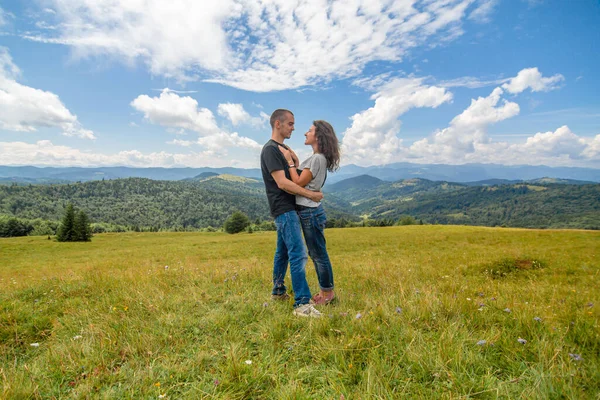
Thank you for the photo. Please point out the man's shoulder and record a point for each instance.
(270, 146)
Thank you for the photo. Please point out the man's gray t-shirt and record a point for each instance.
(317, 164)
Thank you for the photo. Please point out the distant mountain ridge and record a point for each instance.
(391, 172)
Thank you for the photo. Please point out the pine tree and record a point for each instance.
(82, 227)
(66, 232)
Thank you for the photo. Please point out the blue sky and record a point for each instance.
(192, 83)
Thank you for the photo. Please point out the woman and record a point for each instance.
(312, 175)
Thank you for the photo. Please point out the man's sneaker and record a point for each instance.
(307, 310)
(282, 296)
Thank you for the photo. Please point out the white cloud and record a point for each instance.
(555, 144)
(184, 143)
(485, 111)
(216, 143)
(466, 130)
(238, 115)
(2, 17)
(183, 113)
(531, 78)
(372, 138)
(471, 82)
(173, 111)
(8, 69)
(483, 11)
(45, 153)
(234, 112)
(253, 45)
(25, 109)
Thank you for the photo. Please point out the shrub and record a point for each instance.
(11, 226)
(407, 220)
(237, 222)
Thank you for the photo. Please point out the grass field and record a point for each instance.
(422, 312)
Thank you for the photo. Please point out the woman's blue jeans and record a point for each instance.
(290, 248)
(313, 225)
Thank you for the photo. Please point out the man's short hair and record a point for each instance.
(279, 115)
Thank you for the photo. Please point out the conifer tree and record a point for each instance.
(66, 231)
(82, 227)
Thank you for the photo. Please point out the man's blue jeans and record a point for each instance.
(290, 248)
(313, 224)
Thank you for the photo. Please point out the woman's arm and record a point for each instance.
(301, 179)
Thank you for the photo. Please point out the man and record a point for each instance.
(281, 193)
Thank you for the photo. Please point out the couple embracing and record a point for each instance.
(293, 192)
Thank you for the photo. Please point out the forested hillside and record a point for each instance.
(208, 200)
(139, 202)
(527, 204)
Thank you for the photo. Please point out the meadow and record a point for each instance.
(426, 312)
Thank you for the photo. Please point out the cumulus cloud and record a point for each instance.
(25, 109)
(373, 136)
(485, 111)
(221, 140)
(531, 78)
(174, 111)
(468, 129)
(183, 113)
(253, 45)
(45, 153)
(561, 142)
(238, 115)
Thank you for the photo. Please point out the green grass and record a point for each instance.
(112, 322)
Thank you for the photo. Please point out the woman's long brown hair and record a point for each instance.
(328, 144)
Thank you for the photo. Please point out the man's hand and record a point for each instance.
(289, 186)
(316, 196)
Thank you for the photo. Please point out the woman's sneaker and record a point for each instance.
(307, 310)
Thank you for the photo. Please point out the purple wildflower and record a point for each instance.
(398, 310)
(358, 316)
(538, 319)
(576, 357)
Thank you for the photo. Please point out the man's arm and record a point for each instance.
(285, 184)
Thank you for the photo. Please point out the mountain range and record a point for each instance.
(391, 172)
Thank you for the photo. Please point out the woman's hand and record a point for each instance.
(287, 153)
(295, 158)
